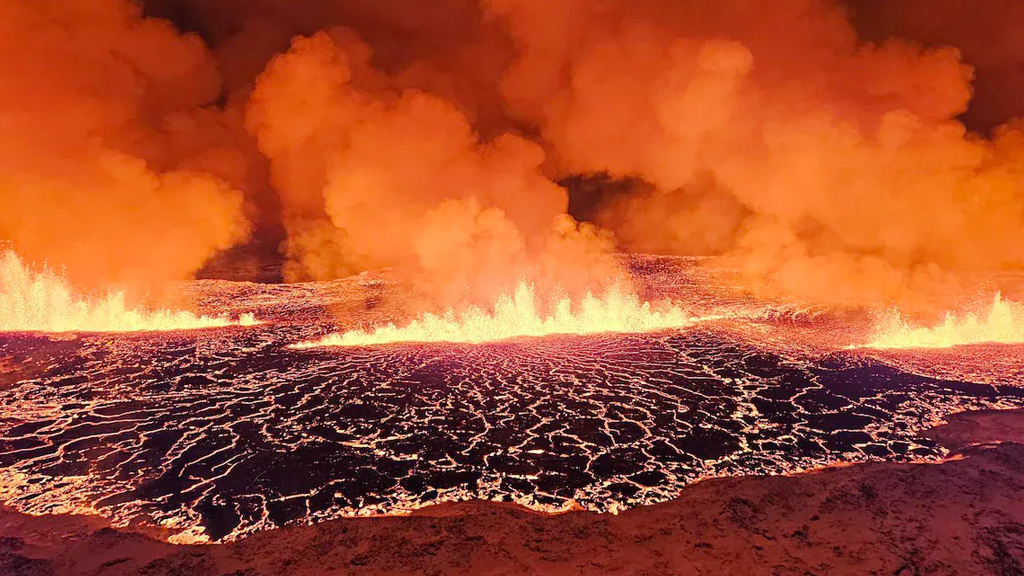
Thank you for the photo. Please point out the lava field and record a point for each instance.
(214, 434)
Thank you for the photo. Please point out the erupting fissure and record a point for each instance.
(518, 315)
(1001, 323)
(44, 302)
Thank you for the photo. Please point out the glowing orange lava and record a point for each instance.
(518, 315)
(44, 302)
(1001, 323)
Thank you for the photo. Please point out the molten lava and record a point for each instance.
(518, 315)
(1001, 323)
(45, 302)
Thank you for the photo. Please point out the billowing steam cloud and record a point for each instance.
(987, 33)
(109, 166)
(834, 169)
(428, 137)
(373, 176)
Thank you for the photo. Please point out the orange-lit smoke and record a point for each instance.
(986, 32)
(372, 175)
(110, 166)
(833, 169)
(428, 136)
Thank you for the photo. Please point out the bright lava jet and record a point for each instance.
(43, 301)
(1000, 322)
(520, 315)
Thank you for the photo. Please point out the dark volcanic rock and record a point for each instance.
(960, 517)
(232, 431)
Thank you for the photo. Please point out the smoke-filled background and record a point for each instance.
(852, 153)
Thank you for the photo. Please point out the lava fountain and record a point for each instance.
(517, 315)
(43, 301)
(1002, 322)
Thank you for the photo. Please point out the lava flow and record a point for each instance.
(45, 302)
(604, 422)
(518, 315)
(1001, 323)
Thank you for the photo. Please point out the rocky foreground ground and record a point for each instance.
(963, 516)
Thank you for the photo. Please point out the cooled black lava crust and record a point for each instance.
(231, 431)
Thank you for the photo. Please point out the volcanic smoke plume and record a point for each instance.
(371, 177)
(109, 165)
(833, 168)
(430, 138)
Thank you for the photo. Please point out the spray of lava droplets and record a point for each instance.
(45, 302)
(518, 315)
(1001, 323)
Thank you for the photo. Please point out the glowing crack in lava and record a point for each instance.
(518, 315)
(45, 302)
(1001, 323)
